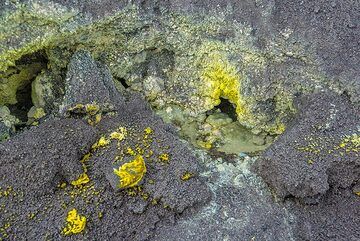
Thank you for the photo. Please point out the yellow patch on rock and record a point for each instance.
(75, 223)
(131, 173)
(83, 179)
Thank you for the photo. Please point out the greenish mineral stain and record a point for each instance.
(17, 78)
(120, 41)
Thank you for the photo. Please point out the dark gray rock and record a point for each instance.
(89, 82)
(168, 186)
(36, 176)
(313, 154)
(314, 167)
(336, 217)
(332, 33)
(32, 161)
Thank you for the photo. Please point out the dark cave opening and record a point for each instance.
(37, 57)
(123, 82)
(228, 108)
(22, 107)
(34, 64)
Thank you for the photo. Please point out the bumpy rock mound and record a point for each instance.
(336, 217)
(315, 167)
(60, 178)
(319, 151)
(32, 160)
(88, 81)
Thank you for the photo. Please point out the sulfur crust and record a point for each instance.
(131, 173)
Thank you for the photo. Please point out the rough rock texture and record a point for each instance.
(274, 50)
(332, 29)
(245, 61)
(89, 82)
(336, 217)
(314, 166)
(36, 177)
(172, 190)
(318, 151)
(242, 208)
(55, 149)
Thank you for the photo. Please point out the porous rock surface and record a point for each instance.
(314, 168)
(39, 165)
(88, 81)
(313, 155)
(278, 50)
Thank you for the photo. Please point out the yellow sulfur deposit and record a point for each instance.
(85, 158)
(148, 130)
(164, 157)
(119, 135)
(350, 143)
(83, 179)
(221, 79)
(102, 142)
(130, 151)
(186, 176)
(75, 223)
(39, 113)
(131, 173)
(92, 109)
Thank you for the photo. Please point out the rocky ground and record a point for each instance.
(179, 120)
